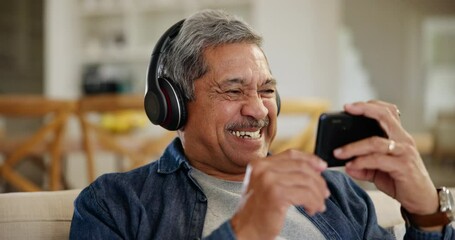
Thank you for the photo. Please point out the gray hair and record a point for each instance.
(184, 61)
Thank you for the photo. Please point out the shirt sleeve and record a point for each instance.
(448, 233)
(90, 220)
(224, 232)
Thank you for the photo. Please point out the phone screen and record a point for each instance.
(340, 128)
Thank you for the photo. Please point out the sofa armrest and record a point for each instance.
(47, 215)
(36, 215)
(387, 209)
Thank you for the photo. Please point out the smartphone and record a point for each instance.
(340, 128)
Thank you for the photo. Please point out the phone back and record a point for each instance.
(340, 128)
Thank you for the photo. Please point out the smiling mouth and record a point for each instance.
(249, 128)
(247, 134)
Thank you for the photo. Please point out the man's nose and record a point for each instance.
(254, 107)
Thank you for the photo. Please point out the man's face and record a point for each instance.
(233, 117)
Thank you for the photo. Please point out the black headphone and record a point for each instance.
(163, 101)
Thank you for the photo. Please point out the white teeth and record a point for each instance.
(244, 134)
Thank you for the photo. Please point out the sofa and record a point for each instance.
(36, 215)
(47, 215)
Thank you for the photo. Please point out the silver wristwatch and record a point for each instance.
(444, 216)
(446, 203)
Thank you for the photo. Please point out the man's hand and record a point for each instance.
(274, 184)
(393, 165)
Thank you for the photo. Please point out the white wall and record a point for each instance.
(389, 35)
(61, 56)
(301, 42)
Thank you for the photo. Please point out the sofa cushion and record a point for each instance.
(47, 215)
(387, 209)
(37, 215)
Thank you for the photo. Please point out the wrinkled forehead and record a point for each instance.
(242, 61)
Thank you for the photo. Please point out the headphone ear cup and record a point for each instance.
(154, 108)
(176, 109)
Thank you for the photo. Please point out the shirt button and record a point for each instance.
(202, 199)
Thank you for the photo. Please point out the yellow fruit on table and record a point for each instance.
(123, 121)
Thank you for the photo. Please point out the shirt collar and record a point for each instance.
(173, 158)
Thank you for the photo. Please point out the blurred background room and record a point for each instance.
(72, 77)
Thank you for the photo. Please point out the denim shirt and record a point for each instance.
(162, 201)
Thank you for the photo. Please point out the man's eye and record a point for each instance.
(233, 91)
(267, 91)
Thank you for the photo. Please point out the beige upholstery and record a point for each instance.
(387, 209)
(47, 215)
(36, 215)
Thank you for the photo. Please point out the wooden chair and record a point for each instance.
(304, 140)
(46, 140)
(123, 142)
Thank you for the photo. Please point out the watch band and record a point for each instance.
(442, 217)
(430, 220)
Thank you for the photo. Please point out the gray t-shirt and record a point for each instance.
(223, 199)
